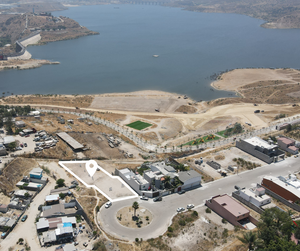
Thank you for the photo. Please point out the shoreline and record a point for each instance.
(25, 64)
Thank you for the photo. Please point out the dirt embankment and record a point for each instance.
(269, 86)
(278, 14)
(14, 172)
(24, 64)
(55, 100)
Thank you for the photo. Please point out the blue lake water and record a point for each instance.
(191, 47)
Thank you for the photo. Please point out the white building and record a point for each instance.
(255, 196)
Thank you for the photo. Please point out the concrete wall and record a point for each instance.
(283, 200)
(282, 192)
(194, 182)
(251, 150)
(31, 40)
(131, 182)
(220, 210)
(237, 196)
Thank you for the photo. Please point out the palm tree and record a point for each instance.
(249, 238)
(135, 206)
(167, 181)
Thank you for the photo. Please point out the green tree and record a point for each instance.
(11, 146)
(62, 195)
(167, 181)
(135, 206)
(274, 225)
(8, 124)
(60, 182)
(250, 239)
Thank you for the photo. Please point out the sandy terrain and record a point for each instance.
(24, 64)
(142, 101)
(232, 80)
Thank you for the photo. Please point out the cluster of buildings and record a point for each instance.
(267, 151)
(59, 220)
(30, 186)
(286, 190)
(159, 179)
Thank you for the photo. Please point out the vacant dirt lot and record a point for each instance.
(114, 188)
(143, 101)
(60, 100)
(272, 86)
(98, 146)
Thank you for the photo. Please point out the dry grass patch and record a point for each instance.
(14, 172)
(186, 109)
(55, 100)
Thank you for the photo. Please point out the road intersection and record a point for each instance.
(164, 211)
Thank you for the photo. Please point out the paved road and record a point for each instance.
(165, 210)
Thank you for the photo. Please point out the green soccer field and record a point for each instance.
(139, 125)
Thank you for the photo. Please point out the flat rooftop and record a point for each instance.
(70, 141)
(231, 205)
(256, 141)
(259, 198)
(284, 185)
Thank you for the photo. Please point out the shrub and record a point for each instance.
(136, 239)
(225, 233)
(170, 229)
(207, 210)
(224, 221)
(195, 213)
(97, 209)
(181, 222)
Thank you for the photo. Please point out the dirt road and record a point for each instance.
(27, 229)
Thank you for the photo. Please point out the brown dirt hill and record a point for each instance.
(14, 172)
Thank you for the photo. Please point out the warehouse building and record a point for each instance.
(75, 145)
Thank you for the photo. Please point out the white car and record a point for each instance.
(190, 206)
(108, 204)
(144, 198)
(180, 209)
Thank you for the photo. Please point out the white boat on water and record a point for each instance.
(156, 56)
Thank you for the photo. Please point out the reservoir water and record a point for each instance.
(191, 47)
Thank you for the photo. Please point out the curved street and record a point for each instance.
(164, 210)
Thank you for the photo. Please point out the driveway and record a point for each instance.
(164, 211)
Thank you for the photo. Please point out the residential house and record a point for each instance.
(287, 145)
(261, 149)
(232, 211)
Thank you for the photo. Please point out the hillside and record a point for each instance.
(52, 28)
(277, 13)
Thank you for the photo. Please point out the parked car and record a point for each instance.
(18, 148)
(85, 244)
(108, 204)
(180, 209)
(21, 145)
(27, 135)
(72, 186)
(157, 199)
(144, 198)
(190, 206)
(181, 192)
(24, 218)
(0, 160)
(25, 144)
